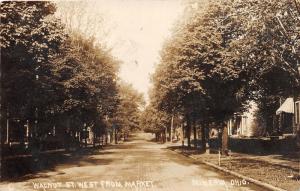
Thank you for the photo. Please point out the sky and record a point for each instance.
(134, 29)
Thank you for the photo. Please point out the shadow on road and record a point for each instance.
(24, 168)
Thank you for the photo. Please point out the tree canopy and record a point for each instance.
(226, 53)
(56, 76)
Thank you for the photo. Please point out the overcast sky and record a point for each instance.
(135, 29)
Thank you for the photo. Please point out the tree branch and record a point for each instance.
(297, 7)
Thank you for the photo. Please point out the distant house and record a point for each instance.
(296, 121)
(286, 119)
(289, 115)
(242, 124)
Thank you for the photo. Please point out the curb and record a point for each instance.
(254, 181)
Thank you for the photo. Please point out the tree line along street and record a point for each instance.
(227, 83)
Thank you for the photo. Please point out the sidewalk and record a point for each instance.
(281, 171)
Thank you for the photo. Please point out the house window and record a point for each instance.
(297, 112)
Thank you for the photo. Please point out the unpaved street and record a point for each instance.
(135, 165)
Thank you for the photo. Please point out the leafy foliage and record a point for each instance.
(53, 77)
(226, 53)
(30, 37)
(128, 110)
(154, 120)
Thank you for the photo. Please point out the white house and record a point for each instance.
(243, 124)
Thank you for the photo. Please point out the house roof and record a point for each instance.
(287, 106)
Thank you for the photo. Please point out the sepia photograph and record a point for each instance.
(150, 95)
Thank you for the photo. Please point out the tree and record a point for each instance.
(30, 36)
(198, 71)
(50, 76)
(87, 75)
(82, 18)
(176, 81)
(225, 54)
(128, 110)
(271, 50)
(155, 121)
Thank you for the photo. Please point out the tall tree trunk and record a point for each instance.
(298, 138)
(1, 138)
(172, 128)
(116, 136)
(188, 133)
(269, 125)
(1, 122)
(195, 133)
(169, 134)
(203, 140)
(85, 140)
(224, 149)
(165, 134)
(94, 140)
(160, 137)
(86, 135)
(182, 135)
